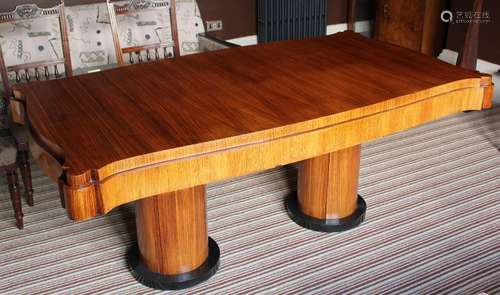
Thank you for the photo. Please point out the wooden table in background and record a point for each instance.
(157, 133)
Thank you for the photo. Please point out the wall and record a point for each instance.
(489, 34)
(239, 16)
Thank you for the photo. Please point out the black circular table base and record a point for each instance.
(174, 282)
(325, 225)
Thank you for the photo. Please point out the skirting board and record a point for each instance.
(363, 27)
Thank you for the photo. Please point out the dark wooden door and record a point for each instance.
(400, 22)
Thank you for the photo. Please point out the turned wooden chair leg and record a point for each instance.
(24, 166)
(15, 197)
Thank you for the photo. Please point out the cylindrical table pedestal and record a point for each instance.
(174, 250)
(327, 198)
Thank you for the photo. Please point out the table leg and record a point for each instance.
(174, 250)
(327, 198)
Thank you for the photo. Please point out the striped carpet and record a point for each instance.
(432, 226)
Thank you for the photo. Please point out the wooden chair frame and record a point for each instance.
(22, 72)
(32, 11)
(136, 6)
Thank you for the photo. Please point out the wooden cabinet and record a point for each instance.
(414, 24)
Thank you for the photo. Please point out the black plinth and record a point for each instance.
(325, 225)
(174, 282)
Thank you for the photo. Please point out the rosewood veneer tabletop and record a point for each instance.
(158, 132)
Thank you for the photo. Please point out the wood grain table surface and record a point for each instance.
(103, 124)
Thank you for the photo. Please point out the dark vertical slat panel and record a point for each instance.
(314, 15)
(278, 17)
(316, 19)
(310, 16)
(279, 11)
(311, 21)
(290, 19)
(320, 14)
(265, 28)
(304, 18)
(296, 19)
(307, 22)
(320, 19)
(264, 21)
(283, 17)
(325, 9)
(300, 20)
(259, 21)
(271, 20)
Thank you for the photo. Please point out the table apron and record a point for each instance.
(146, 181)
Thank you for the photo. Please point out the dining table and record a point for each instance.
(155, 134)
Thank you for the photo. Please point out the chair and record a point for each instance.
(152, 51)
(8, 164)
(38, 70)
(24, 73)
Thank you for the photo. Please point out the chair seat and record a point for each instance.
(8, 151)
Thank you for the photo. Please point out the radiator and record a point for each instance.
(290, 19)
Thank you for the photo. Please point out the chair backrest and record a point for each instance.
(38, 70)
(142, 53)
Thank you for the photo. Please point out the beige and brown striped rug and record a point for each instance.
(432, 226)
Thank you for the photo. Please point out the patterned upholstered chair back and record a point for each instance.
(28, 15)
(166, 48)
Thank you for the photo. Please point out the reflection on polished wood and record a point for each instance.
(328, 184)
(172, 231)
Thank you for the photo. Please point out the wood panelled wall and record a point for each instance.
(489, 33)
